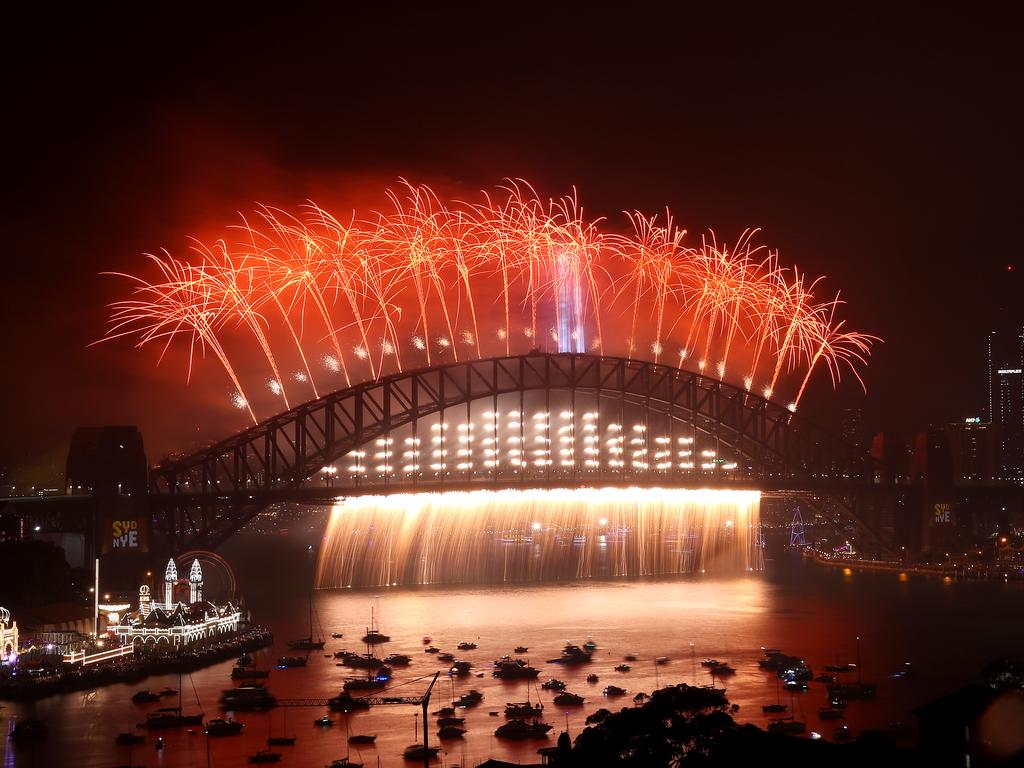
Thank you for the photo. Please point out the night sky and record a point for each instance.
(881, 151)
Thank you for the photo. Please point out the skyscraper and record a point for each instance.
(1005, 406)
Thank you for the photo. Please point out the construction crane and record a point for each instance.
(420, 701)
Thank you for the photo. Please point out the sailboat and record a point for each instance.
(308, 643)
(778, 706)
(172, 717)
(373, 635)
(280, 741)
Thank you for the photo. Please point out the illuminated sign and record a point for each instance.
(125, 532)
(1009, 370)
(972, 420)
(943, 513)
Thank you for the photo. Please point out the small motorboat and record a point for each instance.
(362, 738)
(145, 697)
(218, 727)
(566, 699)
(337, 635)
(786, 726)
(344, 762)
(623, 668)
(590, 645)
(286, 662)
(792, 685)
(281, 741)
(128, 739)
(426, 639)
(444, 712)
(520, 649)
(431, 649)
(374, 637)
(520, 729)
(418, 752)
(446, 657)
(323, 722)
(592, 678)
(552, 684)
(397, 660)
(840, 668)
(661, 661)
(265, 756)
(614, 690)
(524, 709)
(630, 657)
(443, 721)
(451, 732)
(724, 670)
(460, 668)
(465, 645)
(710, 663)
(306, 644)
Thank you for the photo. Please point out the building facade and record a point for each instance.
(8, 637)
(173, 625)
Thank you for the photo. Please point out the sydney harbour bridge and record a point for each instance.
(531, 421)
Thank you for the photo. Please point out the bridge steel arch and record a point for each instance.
(204, 498)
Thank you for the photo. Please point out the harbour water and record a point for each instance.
(947, 630)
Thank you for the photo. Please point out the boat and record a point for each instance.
(630, 657)
(365, 683)
(514, 670)
(710, 663)
(337, 635)
(397, 660)
(431, 649)
(552, 684)
(451, 732)
(443, 721)
(661, 661)
(308, 643)
(590, 645)
(572, 654)
(847, 691)
(171, 718)
(520, 649)
(286, 662)
(323, 722)
(426, 639)
(470, 699)
(793, 685)
(168, 692)
(519, 729)
(566, 699)
(826, 679)
(592, 678)
(281, 741)
(420, 752)
(265, 756)
(460, 668)
(444, 712)
(465, 645)
(344, 762)
(249, 673)
(254, 696)
(773, 708)
(842, 734)
(786, 726)
(840, 668)
(446, 657)
(614, 690)
(523, 709)
(829, 713)
(373, 635)
(344, 702)
(362, 738)
(219, 727)
(723, 670)
(145, 697)
(359, 660)
(623, 668)
(128, 739)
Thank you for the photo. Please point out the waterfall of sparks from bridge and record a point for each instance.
(536, 535)
(293, 305)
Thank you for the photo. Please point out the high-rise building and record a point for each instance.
(853, 427)
(1005, 359)
(972, 447)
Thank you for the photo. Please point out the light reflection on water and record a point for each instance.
(946, 630)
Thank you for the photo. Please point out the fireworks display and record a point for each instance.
(326, 304)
